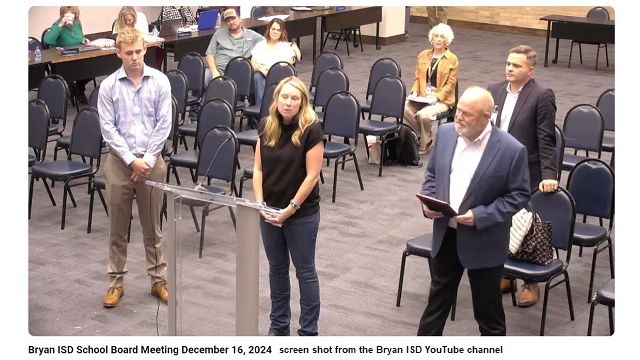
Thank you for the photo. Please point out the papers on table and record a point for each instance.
(301, 8)
(269, 18)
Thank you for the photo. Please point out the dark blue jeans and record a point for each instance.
(296, 237)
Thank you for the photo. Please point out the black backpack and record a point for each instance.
(402, 148)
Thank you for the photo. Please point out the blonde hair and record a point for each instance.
(124, 11)
(306, 116)
(129, 35)
(443, 29)
(70, 9)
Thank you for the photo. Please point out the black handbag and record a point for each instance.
(537, 246)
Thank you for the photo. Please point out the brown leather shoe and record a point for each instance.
(529, 295)
(160, 291)
(505, 286)
(112, 297)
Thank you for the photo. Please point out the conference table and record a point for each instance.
(84, 65)
(577, 28)
(91, 64)
(298, 24)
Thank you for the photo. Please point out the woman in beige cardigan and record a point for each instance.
(433, 90)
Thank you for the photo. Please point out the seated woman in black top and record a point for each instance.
(287, 167)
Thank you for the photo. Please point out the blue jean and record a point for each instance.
(296, 237)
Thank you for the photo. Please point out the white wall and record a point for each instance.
(94, 18)
(392, 22)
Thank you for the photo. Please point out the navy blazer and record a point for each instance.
(498, 189)
(532, 123)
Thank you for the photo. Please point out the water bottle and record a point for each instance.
(37, 54)
(218, 20)
(155, 31)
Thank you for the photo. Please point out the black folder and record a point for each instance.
(437, 205)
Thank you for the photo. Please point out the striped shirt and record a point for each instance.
(135, 120)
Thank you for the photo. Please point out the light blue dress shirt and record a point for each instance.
(135, 120)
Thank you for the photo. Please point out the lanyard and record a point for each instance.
(432, 68)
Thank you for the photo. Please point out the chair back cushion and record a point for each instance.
(381, 68)
(558, 208)
(240, 70)
(38, 124)
(267, 99)
(86, 138)
(607, 106)
(179, 88)
(598, 13)
(223, 88)
(591, 183)
(215, 112)
(388, 98)
(278, 71)
(53, 91)
(583, 128)
(331, 81)
(218, 154)
(342, 115)
(192, 65)
(327, 59)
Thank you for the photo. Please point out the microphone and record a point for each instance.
(200, 185)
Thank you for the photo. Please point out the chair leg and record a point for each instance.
(73, 200)
(31, 193)
(597, 56)
(195, 220)
(104, 203)
(233, 216)
(453, 307)
(335, 180)
(401, 279)
(364, 136)
(569, 298)
(512, 285)
(382, 151)
(205, 211)
(90, 211)
(544, 307)
(591, 311)
(64, 203)
(46, 186)
(570, 53)
(346, 41)
(611, 327)
(580, 50)
(611, 257)
(355, 162)
(359, 39)
(606, 53)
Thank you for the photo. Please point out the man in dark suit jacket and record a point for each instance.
(481, 171)
(527, 110)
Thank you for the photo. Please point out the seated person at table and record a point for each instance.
(435, 80)
(228, 42)
(274, 48)
(67, 31)
(128, 16)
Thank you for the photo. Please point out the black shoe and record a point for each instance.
(274, 332)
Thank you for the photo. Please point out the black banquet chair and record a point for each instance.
(216, 160)
(192, 65)
(38, 128)
(240, 70)
(592, 185)
(607, 105)
(583, 129)
(86, 141)
(605, 295)
(558, 208)
(387, 101)
(327, 59)
(381, 68)
(341, 119)
(53, 90)
(596, 13)
(420, 246)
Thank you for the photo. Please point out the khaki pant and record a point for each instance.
(120, 194)
(420, 117)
